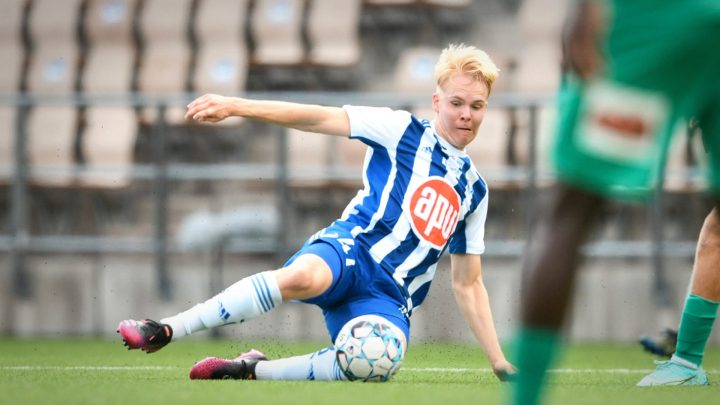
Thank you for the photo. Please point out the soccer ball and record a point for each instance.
(368, 350)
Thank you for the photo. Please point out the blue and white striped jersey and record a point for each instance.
(421, 196)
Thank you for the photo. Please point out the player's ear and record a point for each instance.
(436, 102)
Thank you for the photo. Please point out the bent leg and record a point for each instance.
(306, 275)
(247, 299)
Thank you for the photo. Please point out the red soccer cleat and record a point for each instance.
(240, 368)
(146, 335)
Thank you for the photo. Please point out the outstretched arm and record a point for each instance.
(305, 117)
(473, 301)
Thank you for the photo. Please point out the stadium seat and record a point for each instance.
(308, 157)
(489, 149)
(11, 63)
(165, 58)
(51, 143)
(53, 67)
(318, 160)
(448, 3)
(415, 70)
(333, 30)
(221, 62)
(109, 131)
(111, 53)
(11, 47)
(350, 159)
(7, 143)
(415, 74)
(108, 143)
(538, 69)
(389, 2)
(276, 27)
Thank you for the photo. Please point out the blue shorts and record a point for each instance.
(359, 287)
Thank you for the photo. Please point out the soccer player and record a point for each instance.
(633, 70)
(422, 195)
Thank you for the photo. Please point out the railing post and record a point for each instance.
(660, 283)
(532, 171)
(283, 194)
(21, 282)
(161, 203)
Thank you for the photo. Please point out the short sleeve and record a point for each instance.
(378, 125)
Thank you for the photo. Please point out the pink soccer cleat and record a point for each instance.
(146, 335)
(240, 368)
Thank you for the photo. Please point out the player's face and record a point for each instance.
(459, 109)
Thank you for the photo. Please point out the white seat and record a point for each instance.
(276, 27)
(319, 160)
(11, 59)
(110, 131)
(165, 60)
(11, 48)
(448, 3)
(489, 149)
(309, 157)
(53, 67)
(222, 56)
(415, 74)
(51, 142)
(7, 143)
(389, 2)
(108, 141)
(538, 67)
(334, 32)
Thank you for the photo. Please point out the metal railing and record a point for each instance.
(19, 243)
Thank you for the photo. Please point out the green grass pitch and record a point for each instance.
(103, 372)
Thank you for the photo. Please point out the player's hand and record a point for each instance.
(210, 108)
(504, 371)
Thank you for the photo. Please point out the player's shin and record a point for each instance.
(321, 365)
(242, 301)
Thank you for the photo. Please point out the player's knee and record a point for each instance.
(307, 277)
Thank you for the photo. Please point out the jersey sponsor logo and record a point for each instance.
(433, 210)
(621, 123)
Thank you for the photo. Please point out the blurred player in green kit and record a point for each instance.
(634, 70)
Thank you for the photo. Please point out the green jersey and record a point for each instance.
(661, 69)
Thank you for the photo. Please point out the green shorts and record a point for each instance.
(662, 69)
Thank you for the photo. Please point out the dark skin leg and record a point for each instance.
(555, 257)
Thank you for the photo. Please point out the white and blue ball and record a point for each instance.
(369, 349)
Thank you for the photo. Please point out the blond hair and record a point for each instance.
(466, 59)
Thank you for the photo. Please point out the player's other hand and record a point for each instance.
(504, 371)
(210, 108)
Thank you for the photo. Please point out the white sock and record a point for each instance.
(320, 365)
(242, 301)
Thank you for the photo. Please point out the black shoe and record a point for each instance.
(663, 346)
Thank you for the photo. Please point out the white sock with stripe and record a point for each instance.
(242, 301)
(320, 365)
